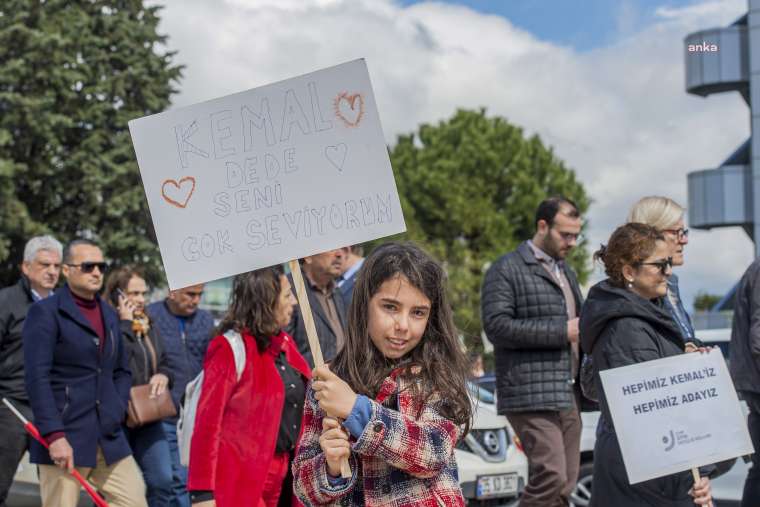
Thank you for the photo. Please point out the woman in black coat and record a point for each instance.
(126, 291)
(623, 322)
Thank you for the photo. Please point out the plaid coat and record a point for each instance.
(403, 458)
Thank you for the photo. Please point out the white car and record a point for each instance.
(493, 470)
(581, 495)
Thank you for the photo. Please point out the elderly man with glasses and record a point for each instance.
(78, 382)
(39, 276)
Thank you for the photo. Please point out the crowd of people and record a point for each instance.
(376, 426)
(551, 345)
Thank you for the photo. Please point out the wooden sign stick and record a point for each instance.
(311, 333)
(695, 475)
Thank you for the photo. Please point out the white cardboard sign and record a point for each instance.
(264, 176)
(674, 414)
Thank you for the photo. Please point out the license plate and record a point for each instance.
(491, 486)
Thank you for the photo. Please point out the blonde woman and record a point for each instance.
(667, 216)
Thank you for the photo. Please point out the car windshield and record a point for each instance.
(480, 394)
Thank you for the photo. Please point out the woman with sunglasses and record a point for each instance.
(624, 321)
(126, 290)
(666, 216)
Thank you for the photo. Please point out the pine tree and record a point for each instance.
(72, 73)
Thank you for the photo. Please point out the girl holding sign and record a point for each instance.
(399, 384)
(624, 321)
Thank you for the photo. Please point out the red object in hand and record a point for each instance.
(34, 432)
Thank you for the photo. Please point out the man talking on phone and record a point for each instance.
(78, 382)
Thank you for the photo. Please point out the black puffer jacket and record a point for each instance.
(619, 328)
(14, 304)
(745, 333)
(525, 317)
(138, 351)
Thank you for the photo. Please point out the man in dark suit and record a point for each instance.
(327, 305)
(78, 381)
(352, 262)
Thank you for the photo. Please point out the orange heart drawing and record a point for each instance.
(177, 189)
(349, 108)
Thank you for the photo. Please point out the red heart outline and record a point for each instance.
(351, 99)
(179, 186)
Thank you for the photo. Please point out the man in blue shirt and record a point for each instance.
(186, 331)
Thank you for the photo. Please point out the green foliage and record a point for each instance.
(72, 73)
(703, 301)
(469, 188)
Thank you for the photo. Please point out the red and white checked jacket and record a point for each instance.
(403, 458)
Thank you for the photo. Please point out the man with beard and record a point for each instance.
(530, 305)
(327, 305)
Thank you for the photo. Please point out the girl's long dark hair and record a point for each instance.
(437, 365)
(253, 303)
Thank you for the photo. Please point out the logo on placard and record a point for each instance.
(349, 108)
(681, 437)
(337, 155)
(178, 193)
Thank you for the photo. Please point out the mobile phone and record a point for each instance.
(115, 294)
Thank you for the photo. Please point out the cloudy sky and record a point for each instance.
(601, 81)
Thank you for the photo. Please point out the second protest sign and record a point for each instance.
(674, 414)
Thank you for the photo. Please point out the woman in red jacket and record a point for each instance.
(246, 430)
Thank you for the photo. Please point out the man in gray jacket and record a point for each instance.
(530, 305)
(39, 275)
(745, 367)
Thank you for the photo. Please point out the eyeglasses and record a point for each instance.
(679, 233)
(663, 265)
(569, 236)
(89, 267)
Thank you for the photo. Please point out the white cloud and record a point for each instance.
(714, 12)
(619, 115)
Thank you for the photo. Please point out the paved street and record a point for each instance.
(727, 490)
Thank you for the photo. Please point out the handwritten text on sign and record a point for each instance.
(674, 414)
(267, 175)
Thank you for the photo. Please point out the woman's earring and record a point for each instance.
(630, 284)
